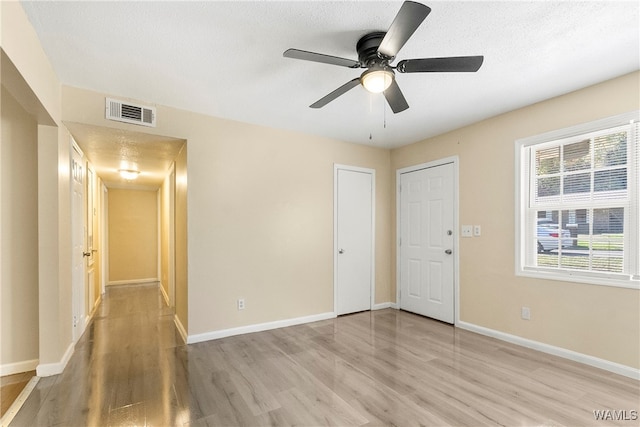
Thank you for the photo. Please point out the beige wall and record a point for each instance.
(29, 77)
(19, 231)
(181, 243)
(133, 235)
(94, 218)
(265, 199)
(599, 321)
(20, 43)
(260, 215)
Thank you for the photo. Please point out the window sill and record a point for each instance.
(614, 280)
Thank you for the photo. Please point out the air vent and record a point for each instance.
(130, 113)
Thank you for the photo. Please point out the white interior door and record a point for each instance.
(91, 246)
(78, 231)
(353, 242)
(427, 239)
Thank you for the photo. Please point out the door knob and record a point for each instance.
(448, 252)
(86, 253)
(341, 251)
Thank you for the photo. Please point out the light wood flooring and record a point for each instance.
(385, 367)
(10, 388)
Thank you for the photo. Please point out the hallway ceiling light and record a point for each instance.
(129, 174)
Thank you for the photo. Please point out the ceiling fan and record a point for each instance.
(377, 50)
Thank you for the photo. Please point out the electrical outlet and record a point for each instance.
(526, 313)
(467, 231)
(477, 230)
(241, 304)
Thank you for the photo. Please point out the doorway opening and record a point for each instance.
(132, 225)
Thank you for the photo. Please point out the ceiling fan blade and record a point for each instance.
(395, 98)
(406, 22)
(319, 57)
(441, 65)
(336, 93)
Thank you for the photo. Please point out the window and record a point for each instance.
(577, 203)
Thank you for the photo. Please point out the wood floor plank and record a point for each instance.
(376, 368)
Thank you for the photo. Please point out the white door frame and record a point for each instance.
(104, 238)
(172, 236)
(80, 316)
(90, 239)
(372, 172)
(456, 206)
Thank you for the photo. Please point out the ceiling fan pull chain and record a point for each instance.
(384, 115)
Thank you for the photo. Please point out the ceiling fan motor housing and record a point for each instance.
(367, 48)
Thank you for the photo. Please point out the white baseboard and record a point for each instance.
(17, 404)
(49, 369)
(607, 365)
(384, 305)
(207, 336)
(180, 328)
(381, 306)
(18, 367)
(132, 282)
(164, 294)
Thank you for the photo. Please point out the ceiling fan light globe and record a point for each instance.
(377, 80)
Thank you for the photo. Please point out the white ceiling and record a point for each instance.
(225, 58)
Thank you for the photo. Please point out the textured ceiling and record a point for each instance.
(225, 58)
(111, 149)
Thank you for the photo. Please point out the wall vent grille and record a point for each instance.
(130, 113)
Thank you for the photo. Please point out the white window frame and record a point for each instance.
(629, 279)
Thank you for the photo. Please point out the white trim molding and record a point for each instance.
(18, 367)
(596, 362)
(259, 327)
(164, 295)
(49, 369)
(133, 282)
(17, 404)
(181, 330)
(382, 306)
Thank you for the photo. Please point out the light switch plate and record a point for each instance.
(467, 231)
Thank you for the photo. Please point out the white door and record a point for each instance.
(91, 228)
(426, 244)
(353, 239)
(77, 239)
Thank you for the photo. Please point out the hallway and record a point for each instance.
(123, 370)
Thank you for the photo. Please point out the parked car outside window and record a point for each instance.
(550, 235)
